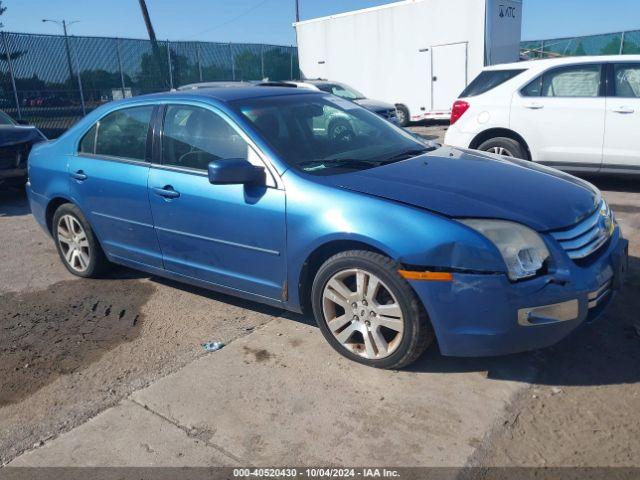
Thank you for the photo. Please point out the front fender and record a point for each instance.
(318, 214)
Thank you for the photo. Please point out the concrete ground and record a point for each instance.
(431, 130)
(111, 372)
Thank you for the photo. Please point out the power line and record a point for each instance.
(231, 20)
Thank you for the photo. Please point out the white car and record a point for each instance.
(575, 114)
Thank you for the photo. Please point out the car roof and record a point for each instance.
(220, 84)
(288, 83)
(222, 94)
(550, 62)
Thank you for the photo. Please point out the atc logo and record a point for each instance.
(509, 12)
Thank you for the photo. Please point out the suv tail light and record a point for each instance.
(458, 109)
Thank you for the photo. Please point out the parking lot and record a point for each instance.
(119, 362)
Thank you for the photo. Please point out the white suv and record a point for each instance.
(575, 114)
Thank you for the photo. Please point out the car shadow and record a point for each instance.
(619, 183)
(228, 299)
(505, 367)
(430, 123)
(13, 202)
(601, 353)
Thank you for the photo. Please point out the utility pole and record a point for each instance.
(152, 37)
(297, 10)
(147, 22)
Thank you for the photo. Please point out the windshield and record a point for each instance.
(323, 134)
(340, 90)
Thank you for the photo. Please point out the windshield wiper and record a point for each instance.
(339, 162)
(414, 152)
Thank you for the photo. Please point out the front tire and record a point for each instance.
(403, 115)
(76, 243)
(507, 147)
(368, 312)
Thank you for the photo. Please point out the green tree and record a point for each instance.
(277, 64)
(248, 67)
(3, 53)
(154, 74)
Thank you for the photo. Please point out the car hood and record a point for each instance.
(15, 134)
(374, 105)
(462, 184)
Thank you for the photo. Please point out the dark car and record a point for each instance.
(384, 109)
(16, 141)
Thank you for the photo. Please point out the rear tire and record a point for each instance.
(403, 115)
(76, 243)
(507, 147)
(368, 312)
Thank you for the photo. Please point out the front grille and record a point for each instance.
(587, 236)
(596, 297)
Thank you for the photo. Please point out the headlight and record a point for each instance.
(522, 249)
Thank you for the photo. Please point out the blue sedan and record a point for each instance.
(391, 242)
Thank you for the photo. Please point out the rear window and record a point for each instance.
(488, 80)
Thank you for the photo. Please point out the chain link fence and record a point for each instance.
(619, 43)
(52, 81)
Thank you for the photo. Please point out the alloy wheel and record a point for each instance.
(362, 313)
(74, 243)
(500, 151)
(402, 119)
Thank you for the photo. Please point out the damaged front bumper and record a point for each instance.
(486, 314)
(15, 145)
(13, 161)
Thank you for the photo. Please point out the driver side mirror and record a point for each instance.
(229, 171)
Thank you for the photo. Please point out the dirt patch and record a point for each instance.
(260, 355)
(59, 330)
(90, 343)
(296, 342)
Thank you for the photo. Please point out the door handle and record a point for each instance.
(623, 109)
(534, 106)
(166, 192)
(79, 175)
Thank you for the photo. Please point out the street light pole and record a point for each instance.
(63, 23)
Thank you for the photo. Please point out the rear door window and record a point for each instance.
(88, 142)
(626, 79)
(488, 80)
(572, 81)
(123, 133)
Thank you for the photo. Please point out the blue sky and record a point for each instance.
(269, 21)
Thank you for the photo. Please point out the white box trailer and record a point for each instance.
(416, 54)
